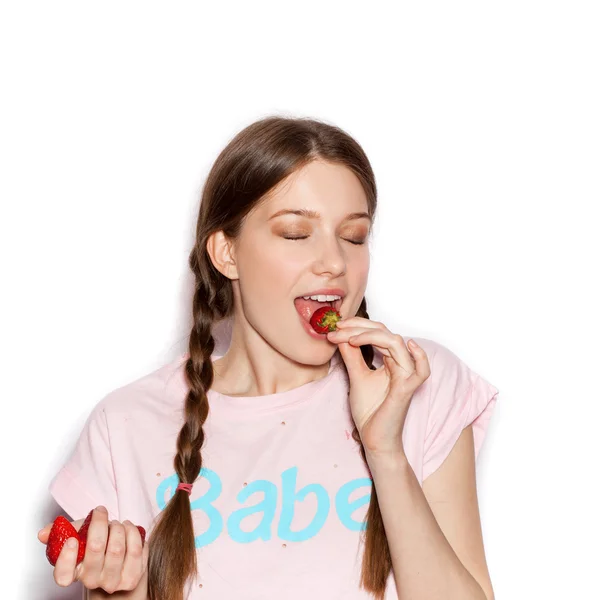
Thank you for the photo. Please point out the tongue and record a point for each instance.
(306, 308)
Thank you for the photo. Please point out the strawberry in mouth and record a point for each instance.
(324, 319)
(326, 304)
(306, 305)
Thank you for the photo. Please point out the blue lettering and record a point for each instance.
(267, 506)
(289, 498)
(345, 509)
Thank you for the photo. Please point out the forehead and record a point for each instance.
(329, 189)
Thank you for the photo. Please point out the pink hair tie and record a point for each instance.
(187, 487)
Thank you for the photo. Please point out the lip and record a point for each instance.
(337, 304)
(325, 292)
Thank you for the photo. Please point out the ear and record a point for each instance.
(222, 254)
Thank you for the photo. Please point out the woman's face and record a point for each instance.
(331, 253)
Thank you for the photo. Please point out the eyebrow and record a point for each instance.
(312, 214)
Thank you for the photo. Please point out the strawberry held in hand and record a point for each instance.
(83, 533)
(62, 530)
(324, 319)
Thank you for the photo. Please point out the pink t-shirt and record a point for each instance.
(279, 507)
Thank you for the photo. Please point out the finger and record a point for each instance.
(343, 335)
(354, 360)
(352, 356)
(44, 532)
(348, 333)
(114, 557)
(389, 344)
(64, 570)
(422, 367)
(95, 548)
(133, 566)
(360, 322)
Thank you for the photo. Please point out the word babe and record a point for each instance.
(343, 507)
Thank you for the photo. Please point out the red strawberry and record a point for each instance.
(82, 535)
(142, 533)
(324, 319)
(61, 531)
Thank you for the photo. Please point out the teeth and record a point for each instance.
(322, 298)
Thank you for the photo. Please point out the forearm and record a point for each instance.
(424, 563)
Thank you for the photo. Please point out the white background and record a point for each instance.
(482, 124)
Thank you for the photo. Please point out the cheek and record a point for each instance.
(276, 262)
(358, 268)
(358, 275)
(265, 274)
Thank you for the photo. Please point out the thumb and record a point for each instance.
(355, 363)
(44, 533)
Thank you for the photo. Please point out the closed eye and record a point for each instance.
(355, 242)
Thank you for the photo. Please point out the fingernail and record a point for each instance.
(102, 509)
(412, 344)
(71, 543)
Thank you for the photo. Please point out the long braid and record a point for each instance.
(174, 529)
(377, 560)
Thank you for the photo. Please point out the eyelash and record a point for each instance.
(304, 237)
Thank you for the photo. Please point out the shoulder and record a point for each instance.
(458, 397)
(160, 387)
(451, 379)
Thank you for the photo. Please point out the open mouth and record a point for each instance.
(306, 308)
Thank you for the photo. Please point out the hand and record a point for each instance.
(380, 399)
(114, 558)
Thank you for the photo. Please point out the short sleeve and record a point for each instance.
(87, 479)
(459, 397)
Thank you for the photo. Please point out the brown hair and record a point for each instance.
(252, 164)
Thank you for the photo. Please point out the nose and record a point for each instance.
(331, 259)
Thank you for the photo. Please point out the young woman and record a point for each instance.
(306, 464)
